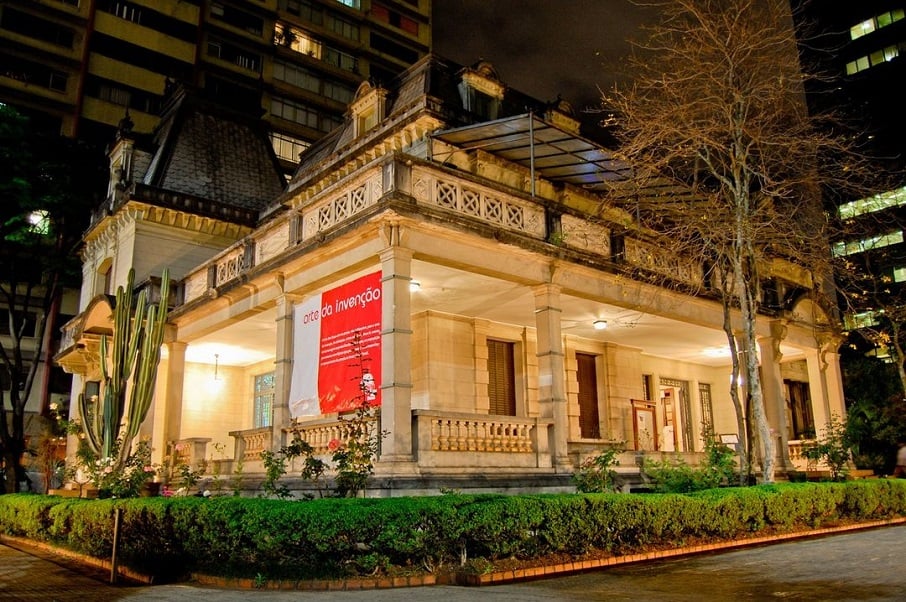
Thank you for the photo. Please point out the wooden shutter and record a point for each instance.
(586, 374)
(501, 378)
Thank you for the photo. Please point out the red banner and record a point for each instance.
(338, 349)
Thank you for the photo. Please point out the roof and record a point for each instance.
(210, 152)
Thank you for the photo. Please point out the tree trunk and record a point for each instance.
(753, 379)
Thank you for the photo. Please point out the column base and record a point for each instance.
(396, 465)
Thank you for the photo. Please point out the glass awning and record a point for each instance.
(549, 151)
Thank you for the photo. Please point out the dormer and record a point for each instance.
(561, 114)
(481, 90)
(368, 108)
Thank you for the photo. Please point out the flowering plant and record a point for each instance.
(112, 482)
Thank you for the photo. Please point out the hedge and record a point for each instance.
(328, 538)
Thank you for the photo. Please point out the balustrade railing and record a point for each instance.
(250, 443)
(483, 433)
(479, 202)
(662, 261)
(326, 435)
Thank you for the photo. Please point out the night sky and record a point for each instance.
(541, 47)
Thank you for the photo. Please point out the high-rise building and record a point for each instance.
(79, 64)
(860, 49)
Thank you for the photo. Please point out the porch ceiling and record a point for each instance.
(448, 290)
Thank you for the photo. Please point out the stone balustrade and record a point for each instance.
(446, 439)
(479, 202)
(799, 461)
(250, 443)
(323, 435)
(348, 198)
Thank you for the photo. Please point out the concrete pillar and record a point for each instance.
(168, 399)
(821, 410)
(825, 383)
(283, 367)
(774, 398)
(552, 370)
(396, 356)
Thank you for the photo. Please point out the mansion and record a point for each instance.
(450, 252)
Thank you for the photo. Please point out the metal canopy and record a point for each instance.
(545, 149)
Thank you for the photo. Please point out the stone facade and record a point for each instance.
(511, 259)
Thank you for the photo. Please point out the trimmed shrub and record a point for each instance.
(279, 539)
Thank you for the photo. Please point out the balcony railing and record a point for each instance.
(345, 199)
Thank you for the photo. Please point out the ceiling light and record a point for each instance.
(414, 285)
(600, 324)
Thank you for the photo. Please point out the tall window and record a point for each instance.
(704, 396)
(586, 374)
(264, 400)
(802, 423)
(501, 378)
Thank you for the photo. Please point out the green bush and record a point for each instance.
(273, 539)
(675, 476)
(596, 473)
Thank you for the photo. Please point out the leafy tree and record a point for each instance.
(48, 188)
(729, 166)
(875, 409)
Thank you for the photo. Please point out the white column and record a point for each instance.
(821, 410)
(168, 398)
(396, 356)
(283, 368)
(825, 383)
(552, 370)
(774, 399)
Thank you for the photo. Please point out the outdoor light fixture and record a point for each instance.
(600, 324)
(414, 285)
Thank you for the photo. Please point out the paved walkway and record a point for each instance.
(862, 565)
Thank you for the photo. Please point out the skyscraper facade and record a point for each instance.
(859, 48)
(80, 64)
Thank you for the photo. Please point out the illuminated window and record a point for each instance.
(877, 57)
(867, 244)
(862, 319)
(869, 25)
(899, 274)
(264, 400)
(872, 204)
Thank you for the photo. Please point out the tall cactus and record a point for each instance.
(128, 372)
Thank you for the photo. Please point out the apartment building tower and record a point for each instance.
(79, 65)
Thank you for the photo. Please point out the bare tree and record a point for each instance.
(729, 164)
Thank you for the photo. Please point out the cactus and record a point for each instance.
(128, 373)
